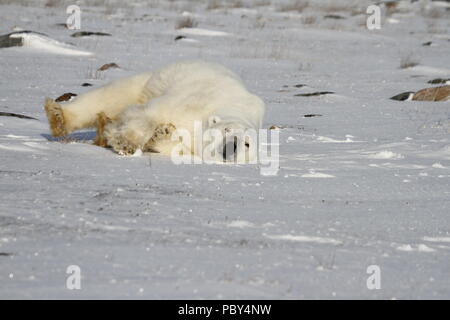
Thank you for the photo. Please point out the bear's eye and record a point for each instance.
(247, 145)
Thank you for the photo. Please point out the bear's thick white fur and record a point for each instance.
(176, 95)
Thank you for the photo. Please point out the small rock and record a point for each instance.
(13, 39)
(108, 66)
(391, 4)
(319, 93)
(334, 16)
(439, 81)
(86, 84)
(311, 115)
(15, 115)
(89, 33)
(64, 25)
(403, 96)
(5, 254)
(66, 97)
(179, 38)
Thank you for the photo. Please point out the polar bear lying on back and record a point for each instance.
(142, 111)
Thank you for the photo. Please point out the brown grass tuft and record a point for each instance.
(297, 5)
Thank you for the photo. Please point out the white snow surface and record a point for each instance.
(367, 183)
(203, 32)
(43, 43)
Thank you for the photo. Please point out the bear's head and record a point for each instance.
(230, 140)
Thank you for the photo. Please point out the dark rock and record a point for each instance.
(334, 16)
(5, 254)
(402, 96)
(21, 116)
(319, 93)
(64, 25)
(439, 81)
(425, 44)
(86, 84)
(66, 97)
(311, 115)
(7, 41)
(89, 33)
(179, 38)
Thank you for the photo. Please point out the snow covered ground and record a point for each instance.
(366, 183)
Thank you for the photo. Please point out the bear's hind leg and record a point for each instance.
(112, 99)
(55, 117)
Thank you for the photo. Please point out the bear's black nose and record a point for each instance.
(229, 150)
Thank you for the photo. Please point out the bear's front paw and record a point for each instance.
(122, 145)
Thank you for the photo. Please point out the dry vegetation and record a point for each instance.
(296, 5)
(236, 4)
(259, 22)
(434, 13)
(338, 6)
(309, 19)
(223, 4)
(408, 61)
(93, 73)
(214, 4)
(434, 27)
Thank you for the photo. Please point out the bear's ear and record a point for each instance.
(213, 120)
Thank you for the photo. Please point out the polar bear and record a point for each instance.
(143, 111)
